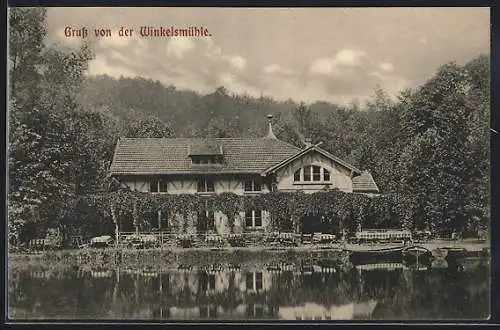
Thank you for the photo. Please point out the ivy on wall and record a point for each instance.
(340, 210)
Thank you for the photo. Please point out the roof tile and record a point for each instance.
(171, 155)
(364, 183)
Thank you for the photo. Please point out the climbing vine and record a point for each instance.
(286, 209)
(230, 204)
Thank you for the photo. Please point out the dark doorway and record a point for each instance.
(126, 223)
(314, 223)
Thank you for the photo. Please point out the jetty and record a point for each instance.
(433, 246)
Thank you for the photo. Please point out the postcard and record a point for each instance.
(235, 164)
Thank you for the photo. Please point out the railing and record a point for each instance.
(207, 239)
(377, 230)
(45, 243)
(37, 243)
(253, 238)
(383, 234)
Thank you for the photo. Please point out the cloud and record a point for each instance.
(345, 58)
(177, 47)
(348, 74)
(323, 66)
(202, 65)
(272, 68)
(100, 66)
(236, 84)
(114, 41)
(276, 69)
(188, 63)
(378, 74)
(349, 57)
(360, 50)
(238, 62)
(386, 66)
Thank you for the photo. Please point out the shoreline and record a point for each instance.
(467, 246)
(240, 257)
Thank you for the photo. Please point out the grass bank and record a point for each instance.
(179, 257)
(158, 258)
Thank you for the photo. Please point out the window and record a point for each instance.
(249, 218)
(316, 171)
(158, 185)
(208, 311)
(162, 219)
(207, 281)
(253, 185)
(259, 311)
(255, 310)
(154, 186)
(253, 218)
(311, 174)
(249, 281)
(162, 312)
(254, 281)
(206, 185)
(307, 173)
(211, 159)
(206, 220)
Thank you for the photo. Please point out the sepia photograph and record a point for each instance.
(248, 164)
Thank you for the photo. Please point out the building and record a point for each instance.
(237, 165)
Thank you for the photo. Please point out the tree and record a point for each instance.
(27, 30)
(43, 82)
(436, 165)
(147, 127)
(477, 201)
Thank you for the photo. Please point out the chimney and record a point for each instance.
(270, 134)
(308, 142)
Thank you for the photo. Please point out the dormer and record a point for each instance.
(206, 153)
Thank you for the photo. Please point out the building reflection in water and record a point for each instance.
(298, 292)
(312, 311)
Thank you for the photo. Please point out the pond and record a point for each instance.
(451, 290)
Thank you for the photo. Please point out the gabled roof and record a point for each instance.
(364, 183)
(149, 156)
(307, 150)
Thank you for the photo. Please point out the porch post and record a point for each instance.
(115, 220)
(136, 218)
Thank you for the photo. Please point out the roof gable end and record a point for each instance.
(307, 150)
(364, 183)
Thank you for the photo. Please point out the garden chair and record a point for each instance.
(287, 239)
(185, 240)
(236, 240)
(307, 238)
(316, 238)
(214, 240)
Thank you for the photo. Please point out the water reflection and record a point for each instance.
(319, 291)
(312, 311)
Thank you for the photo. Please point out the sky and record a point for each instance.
(304, 54)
